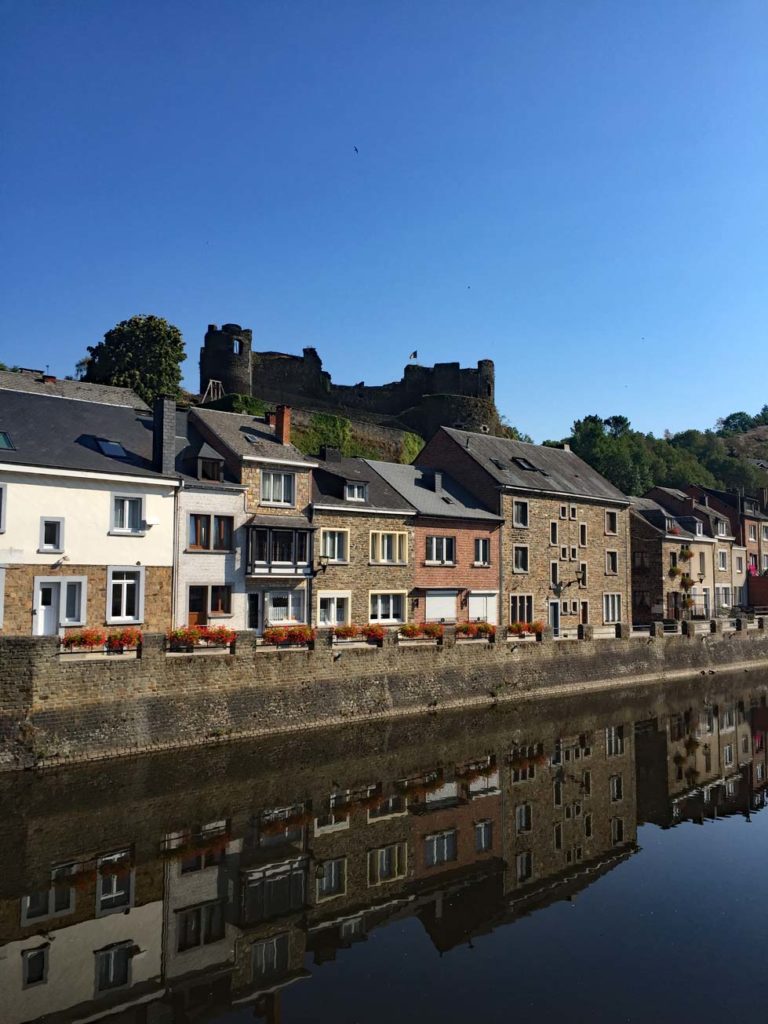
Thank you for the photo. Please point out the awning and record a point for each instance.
(281, 522)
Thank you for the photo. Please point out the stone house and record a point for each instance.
(457, 542)
(747, 518)
(565, 539)
(87, 494)
(276, 540)
(364, 554)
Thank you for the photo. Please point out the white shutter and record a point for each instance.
(441, 604)
(483, 607)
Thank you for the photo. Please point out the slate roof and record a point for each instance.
(49, 432)
(248, 436)
(332, 474)
(657, 516)
(417, 486)
(32, 382)
(191, 446)
(556, 470)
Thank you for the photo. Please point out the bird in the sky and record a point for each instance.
(356, 149)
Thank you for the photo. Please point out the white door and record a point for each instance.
(483, 607)
(47, 609)
(440, 604)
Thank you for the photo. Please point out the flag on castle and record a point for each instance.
(414, 355)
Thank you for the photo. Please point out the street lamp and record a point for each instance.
(561, 585)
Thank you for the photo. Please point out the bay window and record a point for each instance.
(276, 550)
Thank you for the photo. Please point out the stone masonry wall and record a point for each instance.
(251, 478)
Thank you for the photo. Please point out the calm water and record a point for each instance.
(597, 859)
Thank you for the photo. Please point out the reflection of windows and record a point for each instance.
(114, 887)
(59, 899)
(387, 863)
(588, 826)
(440, 848)
(557, 838)
(617, 830)
(483, 836)
(728, 755)
(524, 866)
(388, 807)
(616, 784)
(34, 966)
(274, 891)
(333, 880)
(270, 958)
(199, 926)
(113, 966)
(614, 740)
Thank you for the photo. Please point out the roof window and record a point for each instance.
(5, 441)
(524, 464)
(112, 448)
(499, 464)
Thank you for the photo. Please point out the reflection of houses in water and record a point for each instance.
(220, 913)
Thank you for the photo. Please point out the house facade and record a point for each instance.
(565, 539)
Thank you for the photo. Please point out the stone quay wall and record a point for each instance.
(58, 708)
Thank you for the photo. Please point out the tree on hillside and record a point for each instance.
(144, 353)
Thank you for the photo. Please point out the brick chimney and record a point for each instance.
(164, 436)
(437, 481)
(283, 424)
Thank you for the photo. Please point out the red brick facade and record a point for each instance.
(464, 575)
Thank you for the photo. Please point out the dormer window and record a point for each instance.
(699, 529)
(5, 441)
(355, 491)
(210, 469)
(722, 529)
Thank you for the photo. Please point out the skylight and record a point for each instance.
(5, 441)
(498, 464)
(525, 464)
(112, 448)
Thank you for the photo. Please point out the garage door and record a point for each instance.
(483, 606)
(441, 604)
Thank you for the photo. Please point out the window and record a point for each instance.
(355, 491)
(557, 838)
(125, 594)
(520, 514)
(333, 880)
(51, 534)
(753, 532)
(554, 573)
(587, 826)
(274, 891)
(524, 464)
(333, 544)
(523, 818)
(611, 608)
(739, 563)
(728, 755)
(617, 830)
(274, 546)
(586, 783)
(564, 553)
(520, 558)
(111, 448)
(722, 528)
(573, 512)
(612, 563)
(277, 488)
(127, 514)
(557, 793)
(270, 957)
(284, 606)
(74, 601)
(482, 551)
(222, 533)
(387, 863)
(524, 866)
(722, 560)
(5, 441)
(582, 535)
(199, 926)
(221, 600)
(699, 528)
(483, 836)
(614, 740)
(333, 609)
(34, 963)
(584, 575)
(765, 563)
(211, 469)
(440, 848)
(113, 966)
(553, 534)
(611, 522)
(765, 533)
(199, 531)
(616, 785)
(115, 888)
(521, 608)
(441, 549)
(387, 607)
(563, 511)
(389, 548)
(702, 564)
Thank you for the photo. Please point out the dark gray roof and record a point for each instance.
(62, 434)
(247, 436)
(332, 474)
(417, 486)
(191, 446)
(656, 515)
(33, 382)
(555, 470)
(281, 522)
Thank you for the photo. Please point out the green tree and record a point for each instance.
(144, 353)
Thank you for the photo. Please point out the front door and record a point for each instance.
(47, 609)
(254, 611)
(198, 606)
(554, 617)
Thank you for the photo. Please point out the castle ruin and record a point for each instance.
(425, 398)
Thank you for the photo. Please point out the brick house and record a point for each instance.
(456, 558)
(87, 494)
(565, 538)
(277, 535)
(749, 523)
(365, 542)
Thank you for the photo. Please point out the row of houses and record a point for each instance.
(113, 514)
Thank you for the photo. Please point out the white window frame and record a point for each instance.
(118, 908)
(378, 594)
(399, 544)
(292, 619)
(611, 608)
(524, 866)
(753, 531)
(267, 483)
(335, 596)
(610, 515)
(351, 489)
(482, 544)
(66, 583)
(2, 594)
(436, 843)
(515, 549)
(523, 818)
(554, 534)
(699, 528)
(438, 549)
(583, 532)
(400, 853)
(563, 511)
(126, 531)
(573, 512)
(333, 863)
(484, 835)
(335, 558)
(520, 504)
(722, 528)
(722, 561)
(139, 570)
(608, 570)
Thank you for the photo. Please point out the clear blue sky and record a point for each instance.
(573, 188)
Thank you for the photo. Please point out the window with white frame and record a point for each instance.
(441, 549)
(482, 551)
(728, 755)
(333, 609)
(114, 892)
(573, 512)
(270, 958)
(611, 608)
(617, 830)
(523, 818)
(765, 533)
(113, 966)
(739, 563)
(722, 560)
(563, 511)
(389, 548)
(520, 558)
(387, 607)
(334, 545)
(284, 606)
(387, 863)
(355, 491)
(200, 926)
(125, 594)
(127, 514)
(524, 866)
(440, 848)
(332, 881)
(722, 528)
(765, 563)
(564, 553)
(616, 786)
(483, 836)
(699, 528)
(521, 608)
(553, 528)
(520, 514)
(611, 522)
(554, 573)
(611, 563)
(277, 487)
(753, 531)
(614, 740)
(35, 966)
(2, 595)
(51, 534)
(583, 535)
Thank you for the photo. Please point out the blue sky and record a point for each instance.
(573, 188)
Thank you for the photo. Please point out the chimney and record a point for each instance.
(270, 419)
(283, 424)
(566, 446)
(437, 481)
(164, 436)
(49, 378)
(330, 454)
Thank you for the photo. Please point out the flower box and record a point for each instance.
(289, 636)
